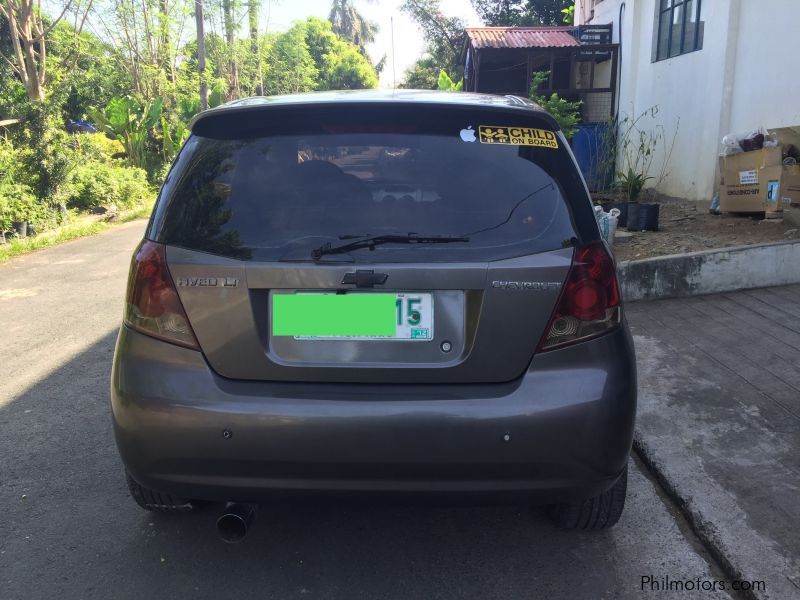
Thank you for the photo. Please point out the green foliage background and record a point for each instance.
(567, 114)
(133, 74)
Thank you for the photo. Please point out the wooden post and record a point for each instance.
(613, 82)
(477, 69)
(529, 76)
(573, 80)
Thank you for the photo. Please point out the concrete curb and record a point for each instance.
(703, 527)
(710, 271)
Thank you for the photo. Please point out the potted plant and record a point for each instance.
(5, 218)
(18, 204)
(644, 148)
(640, 217)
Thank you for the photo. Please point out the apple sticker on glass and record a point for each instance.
(468, 134)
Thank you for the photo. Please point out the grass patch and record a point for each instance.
(70, 231)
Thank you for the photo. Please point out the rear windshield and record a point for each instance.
(274, 186)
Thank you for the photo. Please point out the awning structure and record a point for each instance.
(522, 37)
(581, 63)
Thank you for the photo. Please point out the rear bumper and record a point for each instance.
(562, 431)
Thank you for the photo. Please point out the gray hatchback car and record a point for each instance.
(374, 291)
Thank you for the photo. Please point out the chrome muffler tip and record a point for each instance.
(233, 524)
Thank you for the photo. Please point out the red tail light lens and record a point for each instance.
(153, 306)
(589, 302)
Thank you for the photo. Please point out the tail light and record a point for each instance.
(152, 305)
(589, 301)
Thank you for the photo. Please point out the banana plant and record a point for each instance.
(131, 122)
(173, 136)
(446, 84)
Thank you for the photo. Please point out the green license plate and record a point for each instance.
(372, 316)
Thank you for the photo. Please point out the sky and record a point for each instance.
(408, 42)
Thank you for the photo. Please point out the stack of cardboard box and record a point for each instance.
(759, 181)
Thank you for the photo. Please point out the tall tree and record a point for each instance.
(520, 13)
(444, 36)
(229, 22)
(29, 33)
(165, 40)
(201, 53)
(351, 25)
(141, 33)
(253, 6)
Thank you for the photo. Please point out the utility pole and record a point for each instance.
(391, 25)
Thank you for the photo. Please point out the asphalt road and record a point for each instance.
(69, 530)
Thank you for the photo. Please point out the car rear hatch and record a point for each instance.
(394, 243)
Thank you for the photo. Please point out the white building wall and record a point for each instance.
(740, 79)
(766, 88)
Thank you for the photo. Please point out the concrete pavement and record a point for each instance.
(719, 420)
(68, 528)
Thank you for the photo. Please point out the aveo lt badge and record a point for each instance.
(207, 281)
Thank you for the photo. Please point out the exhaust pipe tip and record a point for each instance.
(233, 524)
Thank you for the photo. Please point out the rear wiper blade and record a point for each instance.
(376, 240)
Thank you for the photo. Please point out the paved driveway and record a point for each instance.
(69, 530)
(719, 416)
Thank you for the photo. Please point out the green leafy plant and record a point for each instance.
(521, 13)
(567, 114)
(173, 137)
(446, 84)
(101, 184)
(47, 164)
(132, 123)
(17, 203)
(632, 183)
(97, 147)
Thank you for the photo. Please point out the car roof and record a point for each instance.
(374, 97)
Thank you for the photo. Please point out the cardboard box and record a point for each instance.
(791, 190)
(757, 181)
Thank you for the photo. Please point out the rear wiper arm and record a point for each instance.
(376, 240)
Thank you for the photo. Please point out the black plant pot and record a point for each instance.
(632, 222)
(622, 221)
(648, 216)
(643, 217)
(21, 227)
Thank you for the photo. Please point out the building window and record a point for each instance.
(679, 28)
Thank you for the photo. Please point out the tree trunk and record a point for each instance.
(230, 38)
(165, 40)
(253, 7)
(201, 53)
(28, 44)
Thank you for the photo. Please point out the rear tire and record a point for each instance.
(599, 512)
(157, 501)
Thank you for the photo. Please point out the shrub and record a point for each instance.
(12, 162)
(5, 213)
(567, 114)
(48, 164)
(99, 184)
(97, 147)
(17, 203)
